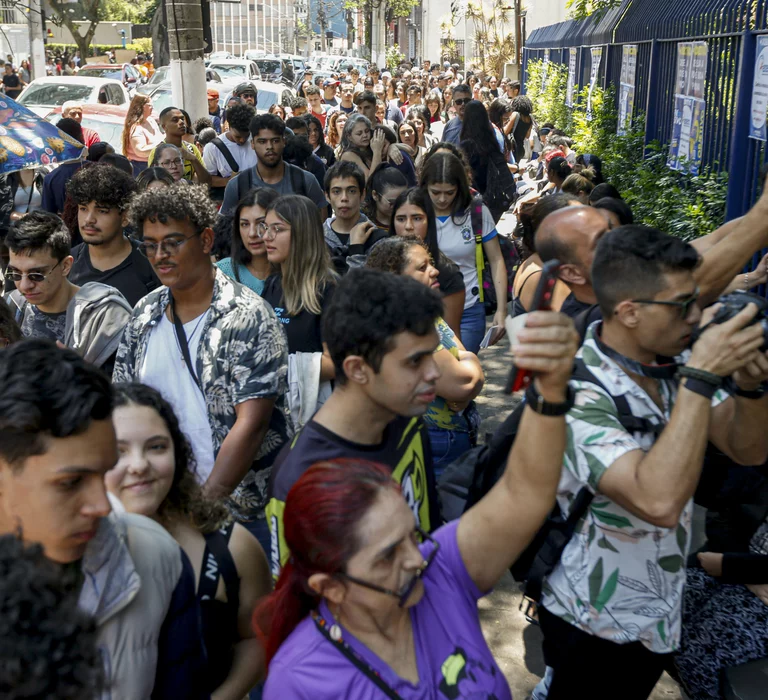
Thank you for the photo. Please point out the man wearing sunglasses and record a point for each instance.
(636, 440)
(89, 319)
(212, 347)
(452, 132)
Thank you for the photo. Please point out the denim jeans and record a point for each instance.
(473, 327)
(447, 445)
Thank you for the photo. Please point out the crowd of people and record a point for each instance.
(240, 363)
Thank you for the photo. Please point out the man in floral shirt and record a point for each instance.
(611, 608)
(212, 347)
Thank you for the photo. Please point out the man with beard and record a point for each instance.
(102, 194)
(268, 141)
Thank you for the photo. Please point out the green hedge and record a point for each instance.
(139, 46)
(678, 203)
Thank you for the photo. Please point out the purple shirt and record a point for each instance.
(452, 656)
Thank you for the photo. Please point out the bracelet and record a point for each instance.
(700, 387)
(753, 394)
(545, 408)
(700, 374)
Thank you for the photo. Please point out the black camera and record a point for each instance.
(732, 304)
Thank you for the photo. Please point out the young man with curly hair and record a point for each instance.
(102, 194)
(213, 348)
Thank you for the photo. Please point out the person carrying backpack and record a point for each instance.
(615, 591)
(228, 154)
(268, 142)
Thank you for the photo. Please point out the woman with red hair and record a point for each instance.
(369, 606)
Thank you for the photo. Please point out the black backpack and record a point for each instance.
(470, 477)
(500, 191)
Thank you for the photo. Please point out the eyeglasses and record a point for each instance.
(461, 101)
(271, 231)
(34, 277)
(405, 592)
(684, 305)
(169, 163)
(169, 246)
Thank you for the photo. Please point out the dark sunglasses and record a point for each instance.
(684, 305)
(405, 592)
(34, 277)
(461, 101)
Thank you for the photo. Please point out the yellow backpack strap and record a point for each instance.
(476, 217)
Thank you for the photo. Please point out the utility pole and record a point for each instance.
(36, 41)
(186, 43)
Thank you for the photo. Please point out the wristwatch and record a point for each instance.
(545, 408)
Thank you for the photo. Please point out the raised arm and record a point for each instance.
(493, 533)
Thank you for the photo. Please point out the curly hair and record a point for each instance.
(39, 230)
(180, 201)
(48, 646)
(522, 105)
(239, 117)
(106, 185)
(185, 498)
(393, 254)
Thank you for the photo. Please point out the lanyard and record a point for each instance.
(355, 658)
(181, 336)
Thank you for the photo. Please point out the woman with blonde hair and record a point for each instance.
(303, 284)
(141, 133)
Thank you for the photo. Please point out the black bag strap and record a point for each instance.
(355, 659)
(630, 423)
(581, 321)
(181, 336)
(231, 162)
(297, 179)
(217, 548)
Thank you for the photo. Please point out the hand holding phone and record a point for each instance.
(542, 301)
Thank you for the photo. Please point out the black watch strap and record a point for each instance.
(545, 408)
(700, 387)
(754, 394)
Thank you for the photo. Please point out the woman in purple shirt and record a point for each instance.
(363, 610)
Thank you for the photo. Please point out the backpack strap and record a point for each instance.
(476, 219)
(297, 179)
(630, 423)
(231, 162)
(218, 561)
(244, 183)
(581, 321)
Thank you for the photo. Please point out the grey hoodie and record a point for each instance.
(346, 257)
(96, 318)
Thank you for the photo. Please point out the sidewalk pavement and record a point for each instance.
(515, 643)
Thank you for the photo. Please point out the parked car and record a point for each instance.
(276, 70)
(161, 75)
(220, 55)
(253, 54)
(127, 74)
(162, 96)
(236, 70)
(42, 95)
(106, 120)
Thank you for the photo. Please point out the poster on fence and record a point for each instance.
(687, 140)
(597, 56)
(571, 85)
(759, 112)
(544, 69)
(627, 87)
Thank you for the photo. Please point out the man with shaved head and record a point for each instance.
(571, 235)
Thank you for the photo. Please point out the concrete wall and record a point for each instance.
(107, 33)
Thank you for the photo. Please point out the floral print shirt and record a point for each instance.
(242, 355)
(619, 578)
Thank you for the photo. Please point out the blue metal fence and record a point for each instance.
(730, 28)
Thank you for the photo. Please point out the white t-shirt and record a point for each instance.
(457, 242)
(164, 370)
(216, 163)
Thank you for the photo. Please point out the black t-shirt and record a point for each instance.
(134, 278)
(304, 331)
(450, 278)
(12, 85)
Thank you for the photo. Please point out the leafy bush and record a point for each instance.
(678, 203)
(138, 45)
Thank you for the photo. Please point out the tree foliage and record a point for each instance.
(581, 9)
(678, 203)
